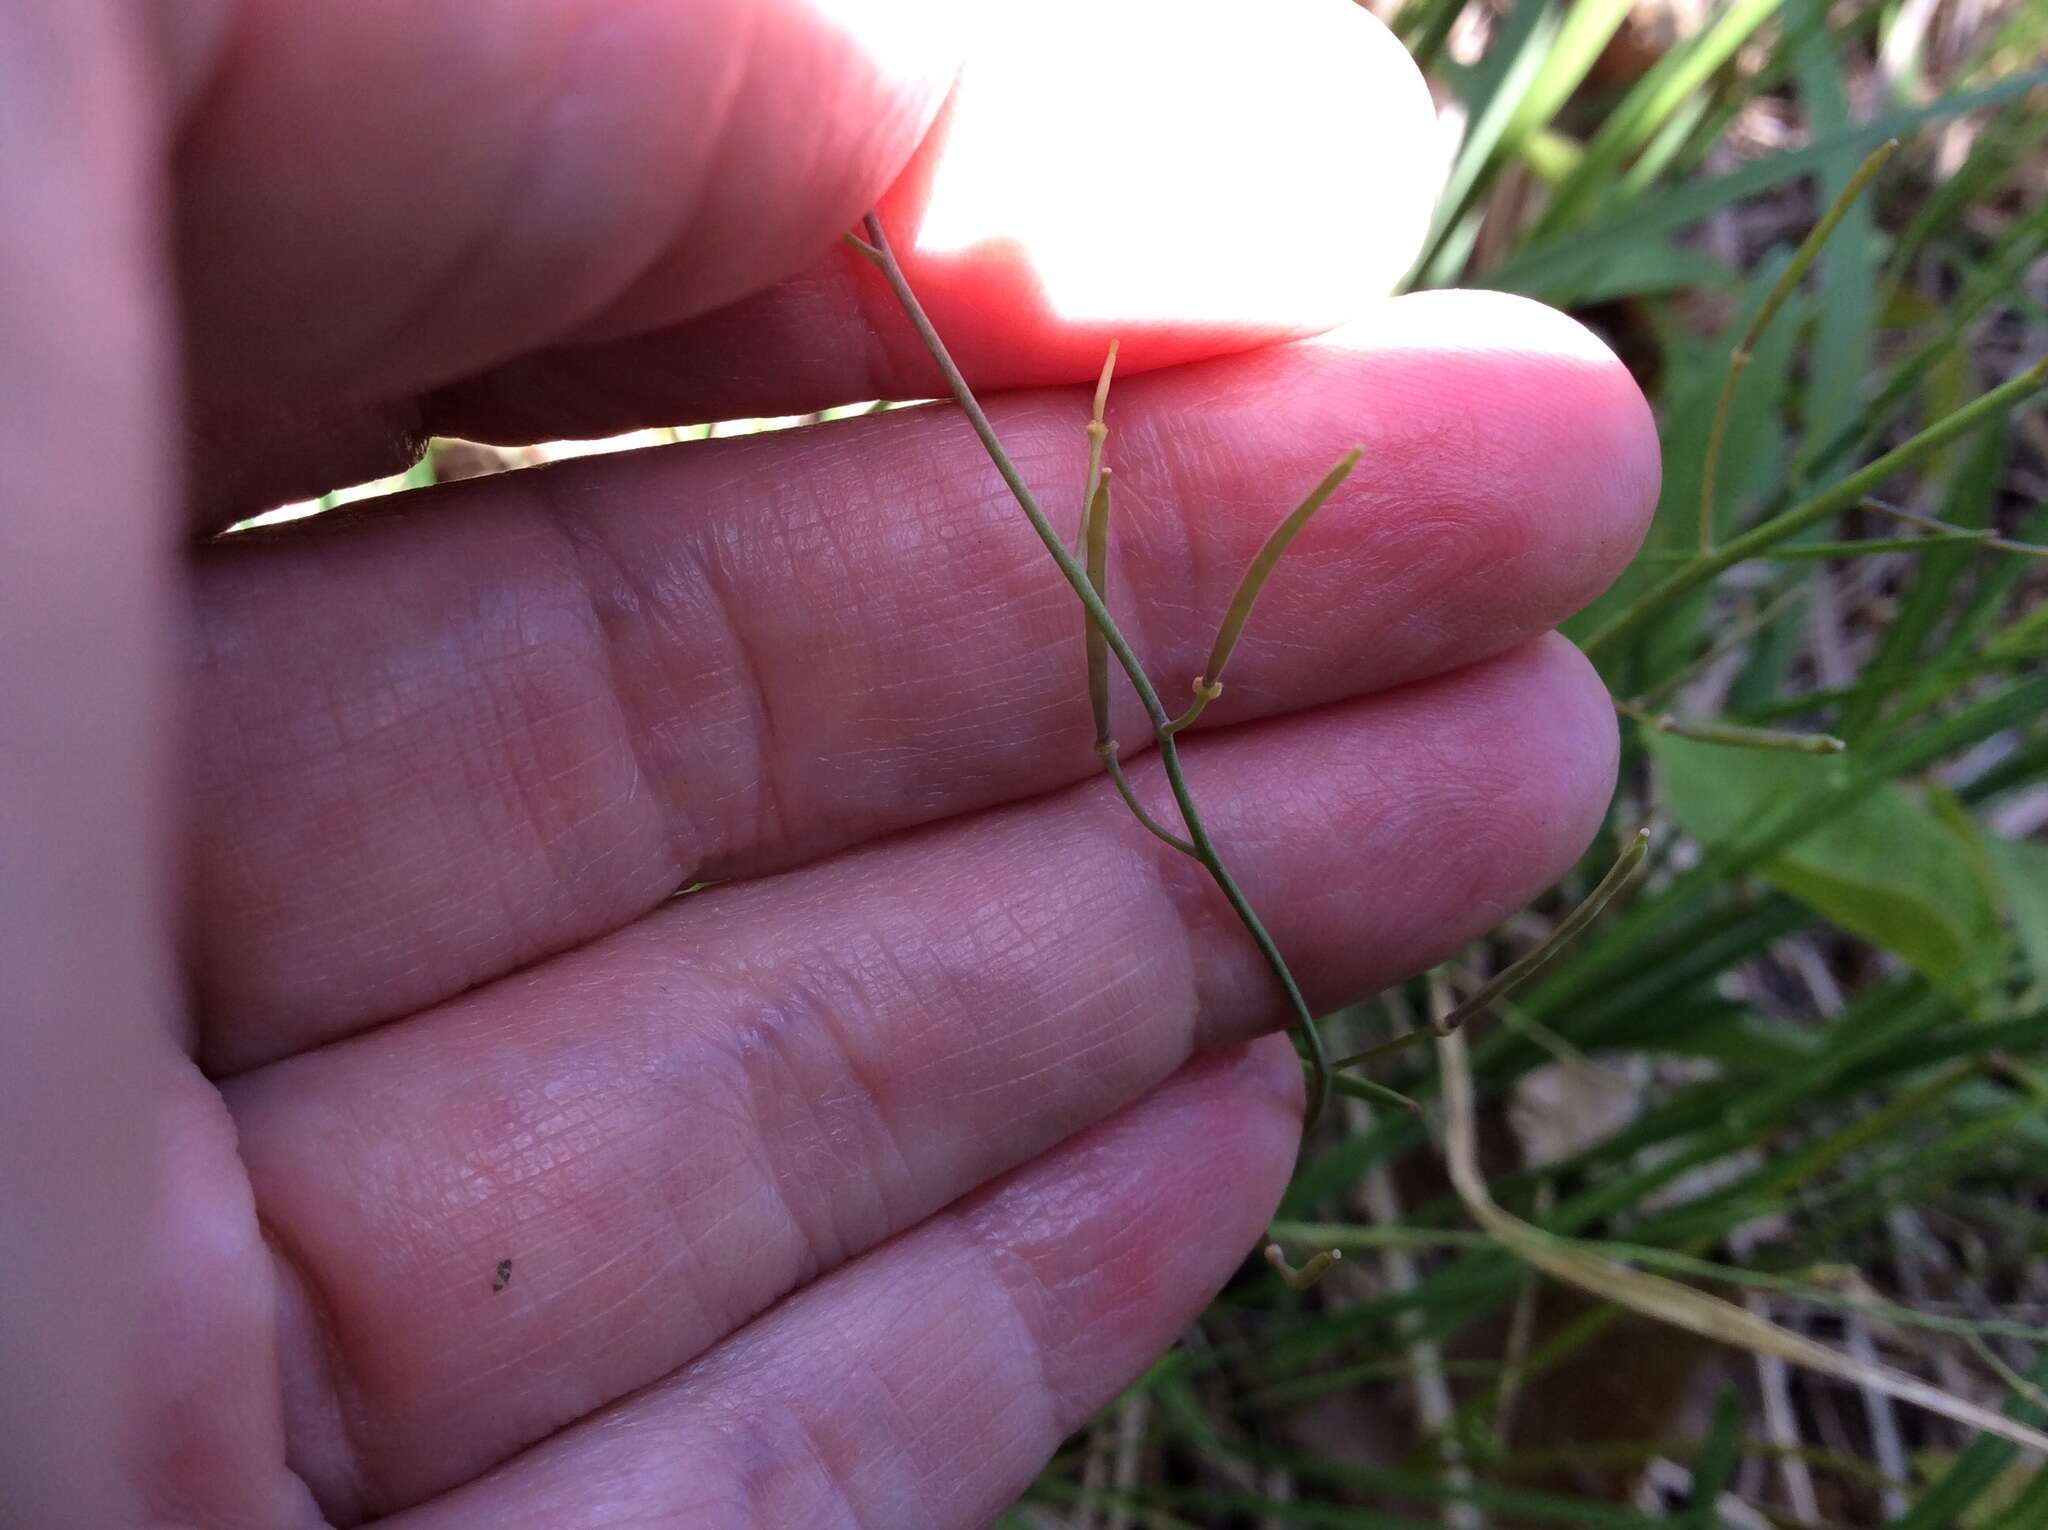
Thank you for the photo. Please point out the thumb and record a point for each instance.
(84, 601)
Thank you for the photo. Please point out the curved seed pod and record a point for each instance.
(1210, 685)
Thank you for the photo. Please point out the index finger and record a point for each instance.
(371, 209)
(1172, 176)
(373, 197)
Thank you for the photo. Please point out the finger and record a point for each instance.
(514, 174)
(668, 1131)
(1204, 187)
(588, 172)
(84, 602)
(432, 748)
(926, 1384)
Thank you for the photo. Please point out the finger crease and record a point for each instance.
(771, 813)
(343, 1484)
(594, 565)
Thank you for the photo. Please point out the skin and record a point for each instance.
(336, 923)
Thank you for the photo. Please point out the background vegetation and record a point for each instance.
(1805, 1063)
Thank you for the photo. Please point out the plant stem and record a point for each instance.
(1516, 974)
(1850, 491)
(1780, 293)
(1859, 547)
(1941, 528)
(1204, 849)
(1739, 631)
(1124, 789)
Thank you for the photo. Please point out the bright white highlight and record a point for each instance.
(1196, 150)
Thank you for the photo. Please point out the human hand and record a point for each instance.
(381, 1137)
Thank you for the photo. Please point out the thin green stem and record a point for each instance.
(1098, 614)
(1387, 1048)
(1115, 768)
(1864, 547)
(1717, 437)
(1370, 1090)
(1204, 694)
(1780, 293)
(1516, 973)
(1949, 529)
(1858, 547)
(1739, 631)
(1365, 1089)
(1850, 491)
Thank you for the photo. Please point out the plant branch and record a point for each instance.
(1739, 631)
(1949, 529)
(1780, 293)
(1859, 547)
(1850, 491)
(1124, 789)
(1519, 972)
(1076, 576)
